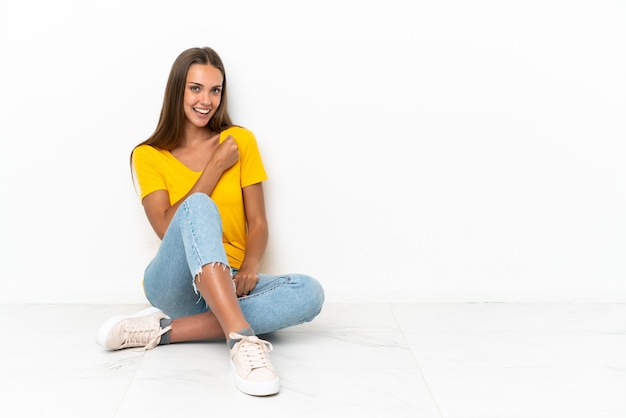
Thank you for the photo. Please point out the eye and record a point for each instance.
(216, 90)
(195, 89)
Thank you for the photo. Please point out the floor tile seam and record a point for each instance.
(132, 378)
(417, 363)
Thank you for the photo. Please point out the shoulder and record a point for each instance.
(239, 133)
(147, 155)
(146, 151)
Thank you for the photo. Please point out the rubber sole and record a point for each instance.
(255, 388)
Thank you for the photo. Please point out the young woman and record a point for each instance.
(200, 180)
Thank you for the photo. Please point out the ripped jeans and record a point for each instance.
(194, 239)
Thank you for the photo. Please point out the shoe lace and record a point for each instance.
(149, 338)
(254, 351)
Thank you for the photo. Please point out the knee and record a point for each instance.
(312, 293)
(199, 199)
(202, 202)
(318, 291)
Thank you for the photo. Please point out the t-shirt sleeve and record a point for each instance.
(149, 175)
(252, 168)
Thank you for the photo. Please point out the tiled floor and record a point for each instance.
(361, 360)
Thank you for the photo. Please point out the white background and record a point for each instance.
(435, 151)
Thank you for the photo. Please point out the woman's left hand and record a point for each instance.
(245, 282)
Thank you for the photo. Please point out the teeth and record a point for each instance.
(203, 111)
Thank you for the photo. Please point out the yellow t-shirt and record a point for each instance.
(159, 170)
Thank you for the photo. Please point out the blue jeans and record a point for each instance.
(194, 239)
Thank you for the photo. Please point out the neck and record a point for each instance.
(194, 134)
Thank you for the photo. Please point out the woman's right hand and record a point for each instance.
(226, 154)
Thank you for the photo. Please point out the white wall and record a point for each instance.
(417, 151)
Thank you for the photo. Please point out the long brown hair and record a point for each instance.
(169, 130)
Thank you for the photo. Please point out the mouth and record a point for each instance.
(202, 111)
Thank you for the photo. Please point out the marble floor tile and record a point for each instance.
(367, 360)
(528, 392)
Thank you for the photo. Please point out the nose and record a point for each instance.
(206, 97)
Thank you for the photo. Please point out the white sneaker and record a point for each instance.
(251, 367)
(142, 329)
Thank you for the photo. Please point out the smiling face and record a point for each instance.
(203, 93)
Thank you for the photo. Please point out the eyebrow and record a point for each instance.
(202, 85)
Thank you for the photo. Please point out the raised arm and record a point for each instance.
(157, 204)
